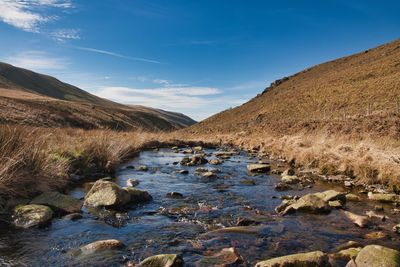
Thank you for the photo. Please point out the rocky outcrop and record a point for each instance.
(310, 259)
(377, 256)
(27, 216)
(58, 202)
(109, 194)
(101, 245)
(163, 260)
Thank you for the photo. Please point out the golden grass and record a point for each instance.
(368, 160)
(34, 160)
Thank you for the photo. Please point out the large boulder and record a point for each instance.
(27, 216)
(58, 202)
(310, 259)
(163, 260)
(109, 194)
(259, 168)
(101, 245)
(309, 203)
(378, 256)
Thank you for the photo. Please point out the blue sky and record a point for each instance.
(196, 57)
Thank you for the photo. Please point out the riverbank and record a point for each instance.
(202, 206)
(35, 160)
(366, 160)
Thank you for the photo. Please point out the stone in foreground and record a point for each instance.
(310, 259)
(163, 260)
(258, 168)
(378, 256)
(58, 202)
(27, 216)
(109, 194)
(101, 245)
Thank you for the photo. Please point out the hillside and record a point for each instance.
(35, 99)
(345, 112)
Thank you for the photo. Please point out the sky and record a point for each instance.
(194, 57)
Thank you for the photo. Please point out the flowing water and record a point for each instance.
(186, 226)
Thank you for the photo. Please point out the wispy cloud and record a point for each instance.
(30, 15)
(65, 34)
(110, 53)
(37, 60)
(183, 97)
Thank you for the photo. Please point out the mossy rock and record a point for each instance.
(137, 196)
(107, 194)
(378, 256)
(32, 215)
(58, 202)
(163, 260)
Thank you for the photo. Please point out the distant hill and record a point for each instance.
(30, 98)
(353, 94)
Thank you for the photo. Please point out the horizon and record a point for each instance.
(189, 58)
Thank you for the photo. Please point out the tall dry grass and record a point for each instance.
(368, 160)
(34, 160)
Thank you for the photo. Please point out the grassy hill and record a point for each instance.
(35, 99)
(344, 113)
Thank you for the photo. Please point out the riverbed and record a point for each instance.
(190, 225)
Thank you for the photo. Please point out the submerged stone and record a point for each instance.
(101, 245)
(360, 221)
(226, 257)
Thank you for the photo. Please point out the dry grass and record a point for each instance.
(34, 160)
(368, 160)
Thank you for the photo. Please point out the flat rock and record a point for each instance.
(378, 256)
(309, 203)
(58, 202)
(32, 215)
(290, 179)
(360, 221)
(226, 257)
(101, 245)
(310, 259)
(353, 197)
(163, 260)
(381, 197)
(258, 168)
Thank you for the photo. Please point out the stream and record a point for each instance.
(187, 225)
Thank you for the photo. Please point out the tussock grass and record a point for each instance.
(34, 160)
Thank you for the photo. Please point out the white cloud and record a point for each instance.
(110, 53)
(37, 60)
(29, 15)
(197, 102)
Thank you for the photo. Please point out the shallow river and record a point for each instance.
(186, 225)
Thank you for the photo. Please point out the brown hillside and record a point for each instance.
(344, 113)
(356, 93)
(34, 99)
